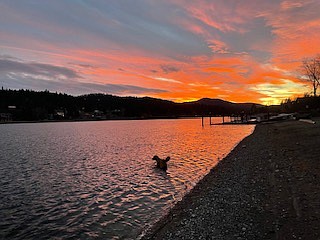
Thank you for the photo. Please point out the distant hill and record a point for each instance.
(218, 106)
(220, 102)
(28, 105)
(211, 101)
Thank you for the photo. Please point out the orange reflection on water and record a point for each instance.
(101, 174)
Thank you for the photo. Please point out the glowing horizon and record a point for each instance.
(176, 49)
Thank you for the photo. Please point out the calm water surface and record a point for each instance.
(96, 179)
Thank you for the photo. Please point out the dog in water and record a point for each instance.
(161, 163)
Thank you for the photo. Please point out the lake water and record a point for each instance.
(87, 180)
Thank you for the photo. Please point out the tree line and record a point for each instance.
(28, 105)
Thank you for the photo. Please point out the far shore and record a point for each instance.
(99, 120)
(266, 188)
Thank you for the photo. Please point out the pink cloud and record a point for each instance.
(228, 47)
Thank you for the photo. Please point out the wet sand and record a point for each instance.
(268, 187)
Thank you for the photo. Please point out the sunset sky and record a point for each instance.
(180, 50)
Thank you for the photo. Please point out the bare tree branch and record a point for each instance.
(311, 72)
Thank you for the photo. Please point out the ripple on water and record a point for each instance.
(97, 179)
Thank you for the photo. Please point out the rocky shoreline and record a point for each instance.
(266, 188)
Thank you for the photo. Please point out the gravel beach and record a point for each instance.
(268, 187)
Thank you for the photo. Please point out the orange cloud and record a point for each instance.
(248, 51)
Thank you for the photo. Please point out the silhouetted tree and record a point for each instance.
(31, 105)
(311, 72)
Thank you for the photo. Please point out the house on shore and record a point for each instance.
(5, 117)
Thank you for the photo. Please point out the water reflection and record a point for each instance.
(98, 179)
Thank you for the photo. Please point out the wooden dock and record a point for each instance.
(228, 120)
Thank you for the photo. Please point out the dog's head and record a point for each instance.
(161, 163)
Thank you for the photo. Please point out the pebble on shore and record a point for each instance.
(266, 188)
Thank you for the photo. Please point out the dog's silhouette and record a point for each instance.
(161, 163)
